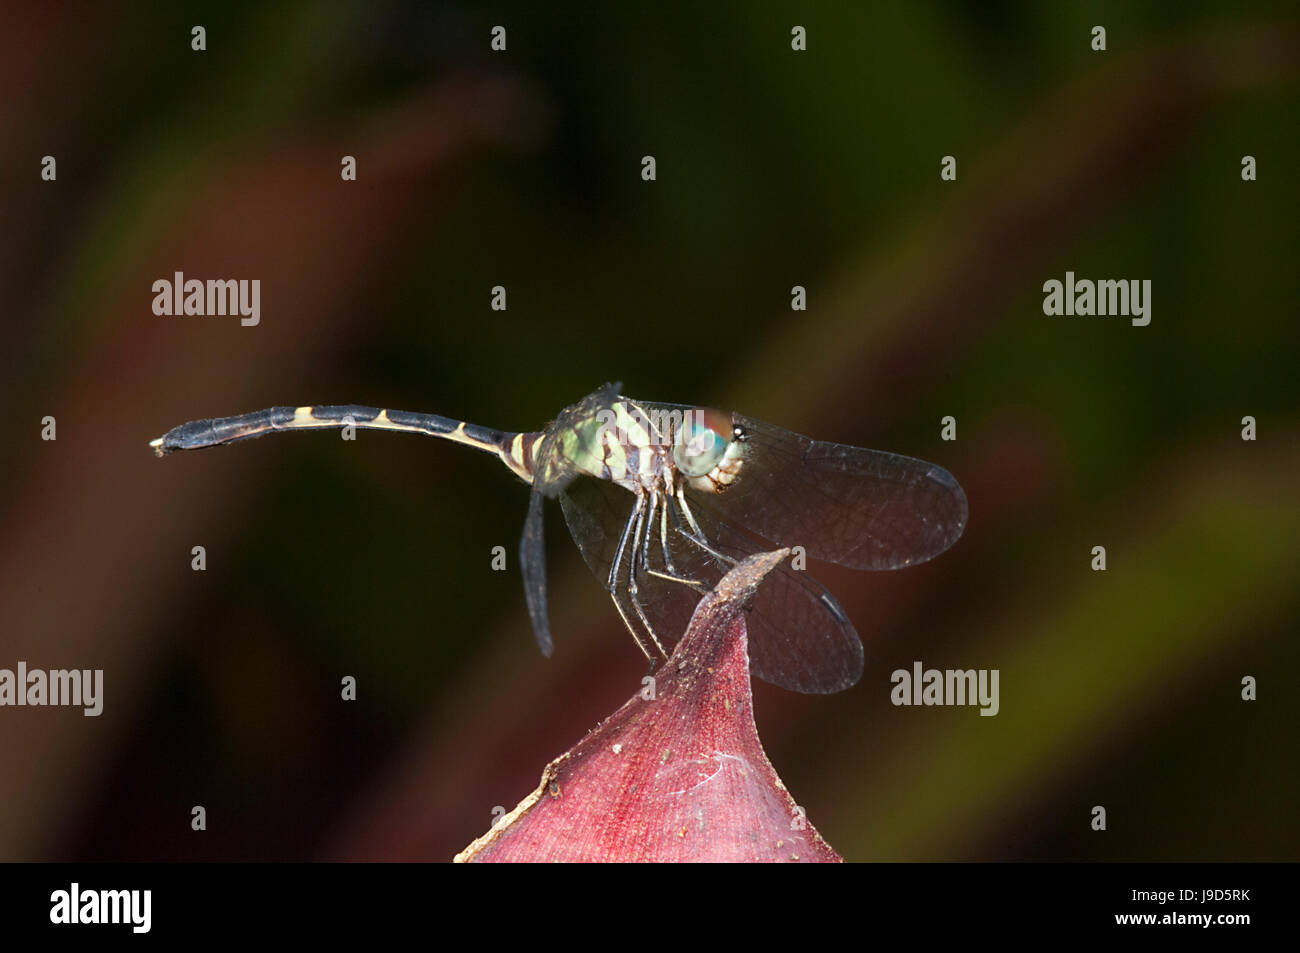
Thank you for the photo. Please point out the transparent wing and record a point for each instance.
(799, 638)
(865, 509)
(532, 566)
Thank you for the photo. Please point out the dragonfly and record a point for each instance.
(662, 499)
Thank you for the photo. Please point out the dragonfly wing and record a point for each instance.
(532, 565)
(865, 509)
(596, 512)
(799, 638)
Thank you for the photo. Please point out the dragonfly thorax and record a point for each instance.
(643, 449)
(612, 444)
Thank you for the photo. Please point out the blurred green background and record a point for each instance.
(522, 169)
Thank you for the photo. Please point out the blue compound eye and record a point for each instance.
(701, 441)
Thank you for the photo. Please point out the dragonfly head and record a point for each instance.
(708, 448)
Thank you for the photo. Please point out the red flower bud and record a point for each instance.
(677, 773)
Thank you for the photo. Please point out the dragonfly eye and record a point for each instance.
(701, 441)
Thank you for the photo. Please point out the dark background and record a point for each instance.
(522, 169)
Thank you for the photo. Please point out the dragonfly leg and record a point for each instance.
(649, 531)
(663, 538)
(670, 571)
(698, 538)
(641, 526)
(695, 584)
(633, 522)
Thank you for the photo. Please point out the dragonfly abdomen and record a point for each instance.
(519, 452)
(216, 431)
